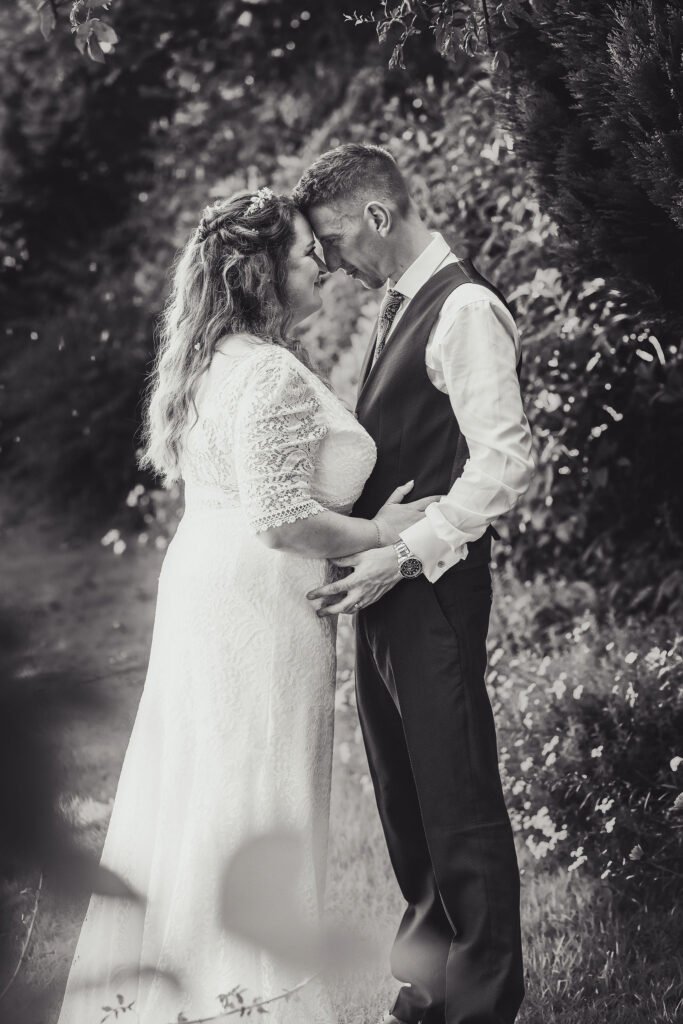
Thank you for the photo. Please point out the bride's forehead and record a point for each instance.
(303, 230)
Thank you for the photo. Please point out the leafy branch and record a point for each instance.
(27, 938)
(93, 36)
(233, 1004)
(474, 27)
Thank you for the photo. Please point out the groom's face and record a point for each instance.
(350, 243)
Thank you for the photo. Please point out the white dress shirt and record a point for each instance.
(471, 356)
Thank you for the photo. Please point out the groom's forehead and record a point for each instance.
(327, 220)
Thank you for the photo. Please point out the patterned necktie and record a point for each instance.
(390, 307)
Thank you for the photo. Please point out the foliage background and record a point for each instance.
(562, 185)
(547, 143)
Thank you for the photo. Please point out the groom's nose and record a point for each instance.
(332, 264)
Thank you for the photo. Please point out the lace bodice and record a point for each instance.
(270, 438)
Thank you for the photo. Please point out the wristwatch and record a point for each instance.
(409, 565)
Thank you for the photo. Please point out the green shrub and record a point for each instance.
(590, 719)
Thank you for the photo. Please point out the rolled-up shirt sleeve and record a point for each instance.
(472, 356)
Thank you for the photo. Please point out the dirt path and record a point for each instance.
(84, 614)
(86, 611)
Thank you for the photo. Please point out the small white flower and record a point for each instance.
(134, 495)
(604, 805)
(655, 658)
(548, 400)
(675, 762)
(631, 657)
(596, 751)
(577, 691)
(558, 688)
(551, 759)
(496, 656)
(526, 764)
(538, 848)
(259, 200)
(550, 745)
(580, 858)
(609, 825)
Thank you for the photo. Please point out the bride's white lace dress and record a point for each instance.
(233, 735)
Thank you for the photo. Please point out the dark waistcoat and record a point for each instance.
(410, 420)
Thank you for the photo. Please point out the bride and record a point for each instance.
(233, 736)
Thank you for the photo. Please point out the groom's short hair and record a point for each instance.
(355, 171)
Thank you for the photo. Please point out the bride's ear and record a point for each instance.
(378, 217)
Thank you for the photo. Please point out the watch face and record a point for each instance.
(410, 567)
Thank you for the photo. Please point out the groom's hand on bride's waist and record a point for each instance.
(373, 573)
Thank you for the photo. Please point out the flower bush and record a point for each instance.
(590, 719)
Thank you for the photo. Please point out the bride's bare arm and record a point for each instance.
(331, 535)
(325, 535)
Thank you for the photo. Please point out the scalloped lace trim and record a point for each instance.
(282, 517)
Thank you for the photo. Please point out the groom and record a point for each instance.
(439, 393)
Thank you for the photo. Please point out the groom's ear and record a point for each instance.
(378, 217)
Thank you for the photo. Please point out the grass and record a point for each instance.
(588, 961)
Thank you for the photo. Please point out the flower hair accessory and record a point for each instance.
(259, 200)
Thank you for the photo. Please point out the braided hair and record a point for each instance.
(230, 278)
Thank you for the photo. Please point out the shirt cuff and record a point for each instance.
(435, 554)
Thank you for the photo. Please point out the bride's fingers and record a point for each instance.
(423, 502)
(399, 493)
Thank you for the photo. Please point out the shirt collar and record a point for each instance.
(421, 269)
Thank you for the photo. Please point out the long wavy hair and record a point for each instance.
(230, 278)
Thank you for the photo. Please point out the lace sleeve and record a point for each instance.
(278, 428)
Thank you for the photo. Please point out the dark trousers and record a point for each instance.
(431, 745)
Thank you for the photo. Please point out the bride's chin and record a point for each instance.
(302, 314)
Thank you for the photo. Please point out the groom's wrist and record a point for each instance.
(409, 564)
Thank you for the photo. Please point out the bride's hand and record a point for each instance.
(395, 515)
